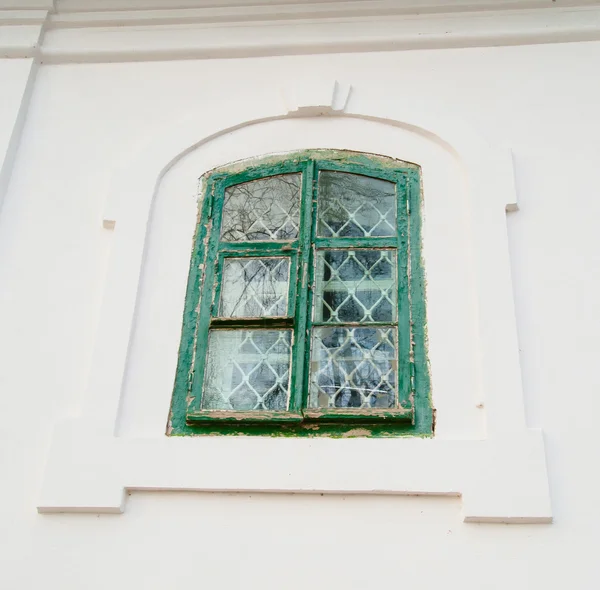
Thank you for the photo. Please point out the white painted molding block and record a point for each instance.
(501, 478)
(21, 32)
(319, 97)
(18, 78)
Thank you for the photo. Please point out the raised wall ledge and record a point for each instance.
(500, 479)
(63, 36)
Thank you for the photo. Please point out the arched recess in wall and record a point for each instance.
(134, 187)
(90, 465)
(169, 237)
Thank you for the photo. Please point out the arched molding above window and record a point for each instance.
(501, 478)
(161, 149)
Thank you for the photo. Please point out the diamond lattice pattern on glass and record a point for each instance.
(247, 370)
(262, 210)
(353, 368)
(355, 286)
(254, 287)
(351, 205)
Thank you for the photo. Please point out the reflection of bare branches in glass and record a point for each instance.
(255, 287)
(351, 205)
(355, 286)
(247, 370)
(262, 210)
(353, 368)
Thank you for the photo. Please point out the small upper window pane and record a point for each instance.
(355, 206)
(255, 287)
(262, 210)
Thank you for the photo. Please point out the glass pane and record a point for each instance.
(356, 286)
(354, 206)
(353, 368)
(247, 370)
(254, 287)
(264, 209)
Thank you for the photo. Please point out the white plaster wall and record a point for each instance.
(541, 101)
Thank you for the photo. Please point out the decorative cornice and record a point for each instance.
(110, 13)
(283, 28)
(344, 6)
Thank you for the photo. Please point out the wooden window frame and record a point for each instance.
(414, 415)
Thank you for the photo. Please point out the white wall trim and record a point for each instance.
(9, 142)
(18, 5)
(501, 479)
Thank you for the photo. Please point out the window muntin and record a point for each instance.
(347, 323)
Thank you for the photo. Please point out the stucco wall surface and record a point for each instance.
(541, 101)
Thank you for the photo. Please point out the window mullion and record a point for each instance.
(301, 342)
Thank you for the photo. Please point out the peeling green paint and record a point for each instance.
(415, 416)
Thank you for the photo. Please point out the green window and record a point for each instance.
(305, 309)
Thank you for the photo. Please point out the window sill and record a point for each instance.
(237, 417)
(353, 415)
(323, 415)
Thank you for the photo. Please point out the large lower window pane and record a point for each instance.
(353, 368)
(355, 206)
(254, 287)
(356, 286)
(247, 370)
